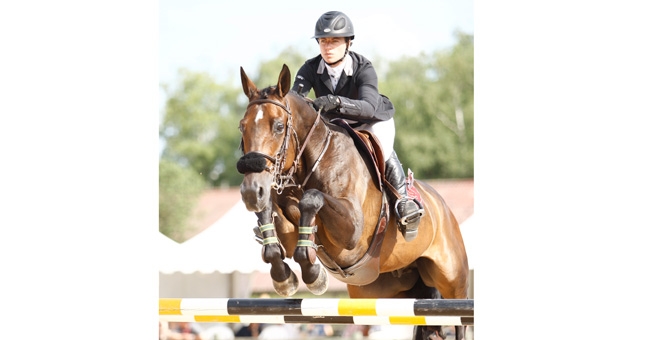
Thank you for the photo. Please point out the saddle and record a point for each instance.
(370, 149)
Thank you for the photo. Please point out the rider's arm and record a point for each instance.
(369, 105)
(304, 77)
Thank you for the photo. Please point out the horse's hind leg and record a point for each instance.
(452, 282)
(437, 332)
(284, 279)
(314, 276)
(422, 291)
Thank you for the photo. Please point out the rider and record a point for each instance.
(346, 86)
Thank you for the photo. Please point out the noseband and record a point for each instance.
(280, 180)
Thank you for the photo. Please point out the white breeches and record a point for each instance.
(384, 131)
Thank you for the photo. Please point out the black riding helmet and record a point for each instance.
(334, 24)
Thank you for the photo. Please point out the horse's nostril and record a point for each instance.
(261, 192)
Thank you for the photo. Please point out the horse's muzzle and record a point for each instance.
(255, 190)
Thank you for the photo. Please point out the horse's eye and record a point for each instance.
(278, 127)
(241, 128)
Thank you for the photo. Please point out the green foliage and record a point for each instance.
(179, 187)
(200, 127)
(434, 101)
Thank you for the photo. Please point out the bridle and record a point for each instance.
(281, 180)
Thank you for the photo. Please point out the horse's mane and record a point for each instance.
(266, 91)
(306, 101)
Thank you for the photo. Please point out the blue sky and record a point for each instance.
(219, 37)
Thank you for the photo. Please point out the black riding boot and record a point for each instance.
(407, 209)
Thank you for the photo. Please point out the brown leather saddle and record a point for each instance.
(370, 149)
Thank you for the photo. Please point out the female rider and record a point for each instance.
(346, 86)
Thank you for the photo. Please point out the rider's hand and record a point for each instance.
(327, 103)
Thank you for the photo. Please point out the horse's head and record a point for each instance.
(266, 139)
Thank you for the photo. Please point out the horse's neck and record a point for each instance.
(313, 138)
(311, 135)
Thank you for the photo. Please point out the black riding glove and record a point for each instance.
(327, 103)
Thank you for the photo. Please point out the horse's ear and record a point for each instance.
(284, 82)
(248, 86)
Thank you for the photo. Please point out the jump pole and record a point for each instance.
(440, 312)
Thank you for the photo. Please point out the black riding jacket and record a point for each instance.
(360, 100)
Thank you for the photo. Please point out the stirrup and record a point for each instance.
(408, 223)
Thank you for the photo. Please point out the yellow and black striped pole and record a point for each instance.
(442, 312)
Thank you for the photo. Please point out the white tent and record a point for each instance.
(226, 246)
(168, 251)
(218, 262)
(470, 232)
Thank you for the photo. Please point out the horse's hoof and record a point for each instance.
(320, 285)
(288, 287)
(430, 333)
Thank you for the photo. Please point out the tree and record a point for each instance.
(200, 127)
(178, 189)
(434, 101)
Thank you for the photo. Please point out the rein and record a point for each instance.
(280, 181)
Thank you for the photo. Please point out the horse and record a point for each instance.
(316, 195)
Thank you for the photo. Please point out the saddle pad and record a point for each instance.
(412, 191)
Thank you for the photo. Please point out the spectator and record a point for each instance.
(355, 332)
(163, 330)
(318, 330)
(184, 331)
(252, 330)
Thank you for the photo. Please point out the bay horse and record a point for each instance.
(316, 196)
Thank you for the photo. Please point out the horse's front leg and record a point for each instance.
(313, 274)
(284, 279)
